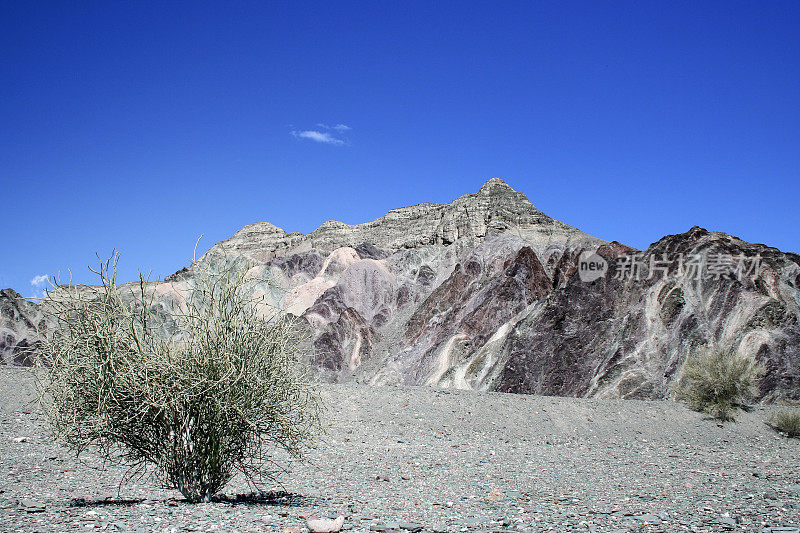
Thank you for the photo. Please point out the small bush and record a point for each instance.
(786, 421)
(193, 388)
(717, 382)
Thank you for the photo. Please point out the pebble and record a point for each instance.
(32, 506)
(383, 528)
(495, 496)
(325, 525)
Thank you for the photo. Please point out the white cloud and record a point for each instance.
(39, 284)
(338, 127)
(326, 134)
(39, 280)
(318, 136)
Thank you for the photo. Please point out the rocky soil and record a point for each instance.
(430, 459)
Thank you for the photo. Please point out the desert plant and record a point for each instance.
(786, 421)
(717, 382)
(193, 388)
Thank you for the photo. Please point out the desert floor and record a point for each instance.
(440, 460)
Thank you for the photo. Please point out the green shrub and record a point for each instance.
(192, 388)
(717, 382)
(786, 421)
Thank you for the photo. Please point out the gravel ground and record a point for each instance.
(400, 458)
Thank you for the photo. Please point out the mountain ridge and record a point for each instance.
(496, 207)
(487, 292)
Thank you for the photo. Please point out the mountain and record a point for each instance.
(495, 209)
(19, 322)
(487, 292)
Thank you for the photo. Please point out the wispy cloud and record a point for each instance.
(338, 127)
(39, 284)
(325, 134)
(319, 136)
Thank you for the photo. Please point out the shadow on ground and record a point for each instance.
(278, 498)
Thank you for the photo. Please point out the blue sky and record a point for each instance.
(141, 126)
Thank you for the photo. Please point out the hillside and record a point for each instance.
(485, 293)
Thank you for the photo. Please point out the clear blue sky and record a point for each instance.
(140, 126)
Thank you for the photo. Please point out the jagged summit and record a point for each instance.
(495, 208)
(494, 185)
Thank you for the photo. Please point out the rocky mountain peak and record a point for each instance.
(494, 186)
(495, 208)
(499, 196)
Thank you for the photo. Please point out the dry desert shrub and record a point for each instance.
(717, 382)
(786, 421)
(194, 390)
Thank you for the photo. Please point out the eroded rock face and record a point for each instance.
(629, 338)
(20, 321)
(487, 292)
(495, 209)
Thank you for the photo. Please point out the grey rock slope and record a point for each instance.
(20, 321)
(485, 293)
(629, 338)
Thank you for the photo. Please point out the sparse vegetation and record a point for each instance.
(717, 382)
(194, 388)
(786, 421)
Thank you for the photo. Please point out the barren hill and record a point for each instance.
(486, 292)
